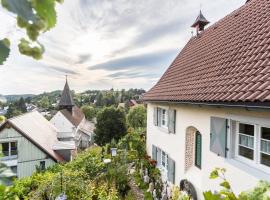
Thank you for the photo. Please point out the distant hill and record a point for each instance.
(15, 97)
(3, 98)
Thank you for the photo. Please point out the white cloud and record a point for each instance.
(92, 32)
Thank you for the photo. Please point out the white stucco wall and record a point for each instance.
(240, 175)
(29, 155)
(61, 123)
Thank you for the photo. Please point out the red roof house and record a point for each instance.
(211, 108)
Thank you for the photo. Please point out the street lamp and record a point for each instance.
(113, 152)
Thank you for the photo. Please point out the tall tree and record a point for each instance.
(137, 117)
(111, 124)
(89, 112)
(21, 105)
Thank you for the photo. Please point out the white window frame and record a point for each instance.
(265, 167)
(256, 162)
(164, 118)
(9, 150)
(165, 166)
(237, 143)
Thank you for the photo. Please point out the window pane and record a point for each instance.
(265, 159)
(265, 146)
(13, 148)
(163, 158)
(265, 133)
(246, 140)
(198, 149)
(246, 129)
(246, 152)
(42, 165)
(14, 169)
(5, 149)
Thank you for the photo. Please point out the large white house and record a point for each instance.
(211, 108)
(71, 123)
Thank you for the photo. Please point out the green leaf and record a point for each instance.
(4, 50)
(46, 11)
(208, 195)
(225, 184)
(214, 174)
(22, 8)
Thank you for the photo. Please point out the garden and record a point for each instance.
(118, 169)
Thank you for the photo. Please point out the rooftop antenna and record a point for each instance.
(66, 77)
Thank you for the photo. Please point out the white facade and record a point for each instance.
(62, 124)
(28, 155)
(66, 131)
(242, 173)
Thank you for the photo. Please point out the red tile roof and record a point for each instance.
(228, 62)
(75, 117)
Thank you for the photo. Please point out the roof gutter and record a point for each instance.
(248, 106)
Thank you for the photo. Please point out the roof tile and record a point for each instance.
(229, 61)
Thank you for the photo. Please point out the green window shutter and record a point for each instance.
(172, 121)
(154, 152)
(198, 150)
(155, 114)
(171, 170)
(218, 136)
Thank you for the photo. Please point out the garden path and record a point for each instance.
(138, 194)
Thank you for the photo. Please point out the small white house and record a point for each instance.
(71, 123)
(211, 108)
(27, 142)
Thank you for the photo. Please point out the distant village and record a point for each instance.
(53, 127)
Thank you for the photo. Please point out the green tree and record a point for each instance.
(44, 102)
(137, 117)
(111, 124)
(12, 111)
(35, 17)
(99, 99)
(89, 112)
(21, 105)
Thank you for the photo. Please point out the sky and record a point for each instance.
(103, 44)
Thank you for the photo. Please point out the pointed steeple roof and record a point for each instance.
(66, 98)
(200, 21)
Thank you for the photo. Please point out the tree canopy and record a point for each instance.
(136, 117)
(111, 124)
(89, 112)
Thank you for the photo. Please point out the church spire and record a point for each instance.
(66, 101)
(200, 22)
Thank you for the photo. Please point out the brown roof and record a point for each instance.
(36, 129)
(76, 117)
(228, 62)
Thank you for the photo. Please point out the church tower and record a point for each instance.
(66, 101)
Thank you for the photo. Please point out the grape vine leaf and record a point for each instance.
(22, 8)
(4, 50)
(46, 11)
